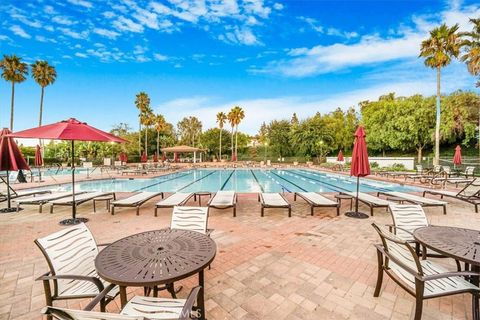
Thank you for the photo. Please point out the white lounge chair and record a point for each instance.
(468, 194)
(370, 200)
(412, 198)
(135, 201)
(14, 194)
(176, 199)
(315, 199)
(274, 200)
(43, 199)
(81, 198)
(224, 200)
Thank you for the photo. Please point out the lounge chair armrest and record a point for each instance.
(103, 244)
(449, 275)
(380, 248)
(94, 280)
(209, 232)
(99, 297)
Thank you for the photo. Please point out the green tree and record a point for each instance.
(142, 102)
(14, 71)
(377, 119)
(444, 44)
(237, 114)
(278, 132)
(472, 45)
(231, 121)
(45, 75)
(341, 127)
(210, 138)
(221, 120)
(189, 130)
(147, 118)
(313, 138)
(160, 126)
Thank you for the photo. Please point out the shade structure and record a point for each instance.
(72, 130)
(181, 149)
(340, 156)
(360, 167)
(155, 157)
(457, 158)
(11, 159)
(143, 158)
(38, 157)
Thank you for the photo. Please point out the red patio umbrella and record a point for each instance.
(11, 159)
(155, 157)
(359, 167)
(72, 130)
(340, 156)
(175, 157)
(457, 158)
(164, 157)
(38, 157)
(123, 157)
(143, 158)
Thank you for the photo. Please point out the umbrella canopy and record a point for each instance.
(72, 130)
(181, 149)
(155, 157)
(143, 158)
(340, 156)
(360, 166)
(123, 157)
(38, 157)
(457, 158)
(11, 159)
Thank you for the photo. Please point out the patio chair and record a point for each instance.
(412, 198)
(138, 308)
(274, 200)
(406, 219)
(81, 198)
(176, 199)
(316, 200)
(468, 194)
(70, 254)
(190, 218)
(135, 201)
(14, 194)
(370, 200)
(423, 279)
(224, 200)
(469, 172)
(43, 199)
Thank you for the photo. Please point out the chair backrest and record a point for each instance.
(407, 218)
(471, 189)
(437, 168)
(419, 168)
(190, 218)
(401, 256)
(12, 176)
(447, 169)
(117, 163)
(70, 251)
(68, 314)
(469, 171)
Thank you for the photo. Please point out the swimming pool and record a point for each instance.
(242, 180)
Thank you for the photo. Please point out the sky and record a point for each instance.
(199, 57)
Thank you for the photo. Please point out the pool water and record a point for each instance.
(242, 180)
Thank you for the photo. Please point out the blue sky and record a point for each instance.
(198, 57)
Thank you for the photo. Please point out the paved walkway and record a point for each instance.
(304, 267)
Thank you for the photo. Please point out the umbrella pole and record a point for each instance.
(356, 199)
(8, 191)
(74, 207)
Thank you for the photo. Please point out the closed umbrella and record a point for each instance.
(175, 157)
(155, 157)
(38, 161)
(72, 130)
(457, 158)
(359, 167)
(340, 156)
(143, 158)
(11, 159)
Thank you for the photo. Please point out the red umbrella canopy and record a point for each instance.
(143, 158)
(11, 157)
(175, 157)
(38, 157)
(70, 129)
(340, 156)
(155, 157)
(360, 166)
(457, 158)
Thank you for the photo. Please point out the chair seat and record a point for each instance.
(442, 286)
(86, 288)
(154, 308)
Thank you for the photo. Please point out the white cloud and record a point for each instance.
(106, 33)
(126, 24)
(49, 10)
(74, 34)
(82, 3)
(17, 30)
(146, 18)
(63, 20)
(81, 55)
(108, 14)
(160, 57)
(278, 6)
(239, 35)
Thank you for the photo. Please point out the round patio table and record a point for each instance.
(457, 243)
(154, 258)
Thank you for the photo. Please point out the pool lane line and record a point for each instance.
(188, 185)
(156, 184)
(225, 183)
(332, 186)
(256, 180)
(274, 180)
(296, 185)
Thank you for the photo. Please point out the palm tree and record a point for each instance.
(438, 50)
(14, 71)
(160, 126)
(147, 119)
(472, 45)
(45, 75)
(221, 119)
(231, 120)
(142, 102)
(238, 115)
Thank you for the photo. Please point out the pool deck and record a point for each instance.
(275, 267)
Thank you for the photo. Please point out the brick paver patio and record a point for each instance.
(304, 267)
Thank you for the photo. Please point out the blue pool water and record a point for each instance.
(243, 180)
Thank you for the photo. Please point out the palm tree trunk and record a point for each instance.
(158, 142)
(40, 117)
(220, 150)
(436, 159)
(236, 141)
(139, 138)
(146, 140)
(231, 145)
(12, 106)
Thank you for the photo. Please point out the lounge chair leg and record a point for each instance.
(311, 210)
(94, 207)
(138, 210)
(290, 211)
(113, 210)
(156, 211)
(48, 296)
(371, 211)
(295, 196)
(444, 209)
(40, 207)
(234, 212)
(475, 312)
(419, 299)
(378, 286)
(476, 208)
(262, 212)
(338, 210)
(51, 208)
(102, 305)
